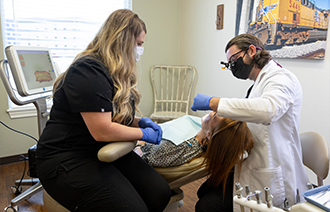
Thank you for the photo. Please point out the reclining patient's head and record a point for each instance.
(227, 141)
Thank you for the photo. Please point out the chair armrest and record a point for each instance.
(115, 150)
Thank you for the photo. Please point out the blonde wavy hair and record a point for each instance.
(114, 46)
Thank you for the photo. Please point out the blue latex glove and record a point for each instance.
(151, 136)
(147, 122)
(201, 102)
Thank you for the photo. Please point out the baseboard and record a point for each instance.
(12, 159)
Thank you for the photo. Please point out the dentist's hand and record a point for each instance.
(147, 122)
(201, 102)
(151, 136)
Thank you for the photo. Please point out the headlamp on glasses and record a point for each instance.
(232, 60)
(226, 65)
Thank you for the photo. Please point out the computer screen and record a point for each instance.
(32, 68)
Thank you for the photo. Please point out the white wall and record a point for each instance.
(162, 42)
(203, 47)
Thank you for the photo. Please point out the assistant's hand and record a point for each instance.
(201, 102)
(147, 122)
(151, 136)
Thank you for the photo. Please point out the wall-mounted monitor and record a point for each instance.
(32, 68)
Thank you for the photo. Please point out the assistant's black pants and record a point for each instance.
(127, 184)
(211, 198)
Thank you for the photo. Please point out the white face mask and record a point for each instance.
(138, 52)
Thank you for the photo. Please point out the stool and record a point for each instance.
(52, 205)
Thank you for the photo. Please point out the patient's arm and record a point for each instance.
(140, 143)
(138, 151)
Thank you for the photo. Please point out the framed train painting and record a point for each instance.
(288, 28)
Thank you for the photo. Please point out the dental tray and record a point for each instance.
(318, 196)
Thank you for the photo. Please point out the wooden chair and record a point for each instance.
(172, 87)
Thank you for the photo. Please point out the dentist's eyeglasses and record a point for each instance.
(232, 60)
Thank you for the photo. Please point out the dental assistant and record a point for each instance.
(272, 110)
(94, 103)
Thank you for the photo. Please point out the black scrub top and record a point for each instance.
(66, 141)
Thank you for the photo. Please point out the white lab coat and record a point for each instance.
(273, 114)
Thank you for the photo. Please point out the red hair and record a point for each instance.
(229, 141)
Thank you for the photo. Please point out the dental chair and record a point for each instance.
(175, 176)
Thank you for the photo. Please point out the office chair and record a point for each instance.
(172, 87)
(42, 114)
(315, 154)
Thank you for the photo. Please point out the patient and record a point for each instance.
(223, 142)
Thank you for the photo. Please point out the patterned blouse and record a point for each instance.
(167, 154)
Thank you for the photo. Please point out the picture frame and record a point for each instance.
(288, 28)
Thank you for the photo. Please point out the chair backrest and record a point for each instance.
(172, 87)
(315, 154)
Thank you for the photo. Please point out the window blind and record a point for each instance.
(64, 26)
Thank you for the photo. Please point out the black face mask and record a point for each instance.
(240, 69)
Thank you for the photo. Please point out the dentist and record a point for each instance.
(272, 110)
